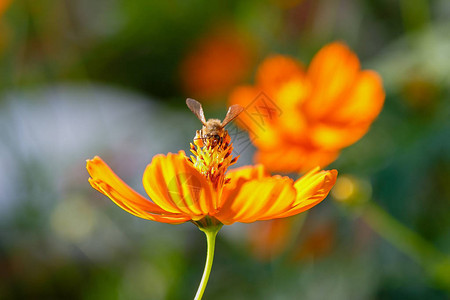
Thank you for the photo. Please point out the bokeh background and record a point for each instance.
(80, 78)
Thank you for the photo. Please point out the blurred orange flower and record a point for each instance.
(3, 5)
(4, 32)
(300, 118)
(271, 238)
(317, 242)
(200, 190)
(216, 63)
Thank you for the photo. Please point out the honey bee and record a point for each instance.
(213, 129)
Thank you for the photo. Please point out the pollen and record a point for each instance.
(212, 159)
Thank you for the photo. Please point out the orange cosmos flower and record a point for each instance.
(302, 118)
(199, 188)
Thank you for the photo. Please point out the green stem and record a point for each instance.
(211, 233)
(402, 237)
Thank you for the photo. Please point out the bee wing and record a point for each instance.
(232, 113)
(197, 109)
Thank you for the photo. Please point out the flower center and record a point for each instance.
(212, 157)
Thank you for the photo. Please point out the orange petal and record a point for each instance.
(334, 138)
(289, 98)
(249, 98)
(108, 183)
(362, 103)
(259, 199)
(238, 177)
(267, 138)
(245, 173)
(331, 72)
(277, 70)
(294, 158)
(257, 118)
(243, 95)
(351, 119)
(311, 190)
(176, 186)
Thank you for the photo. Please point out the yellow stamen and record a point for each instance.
(212, 161)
